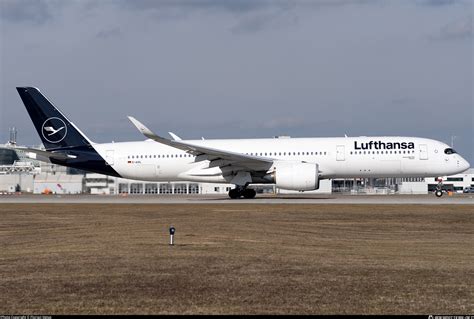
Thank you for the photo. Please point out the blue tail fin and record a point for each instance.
(55, 130)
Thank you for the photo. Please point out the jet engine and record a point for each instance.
(300, 176)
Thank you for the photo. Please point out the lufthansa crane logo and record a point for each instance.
(54, 130)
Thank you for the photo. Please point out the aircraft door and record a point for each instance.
(340, 153)
(109, 157)
(423, 151)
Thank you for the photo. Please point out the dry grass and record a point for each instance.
(236, 259)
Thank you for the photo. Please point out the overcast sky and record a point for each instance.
(238, 69)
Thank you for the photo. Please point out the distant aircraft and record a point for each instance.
(290, 163)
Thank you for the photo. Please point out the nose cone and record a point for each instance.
(464, 165)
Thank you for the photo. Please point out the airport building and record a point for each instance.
(19, 173)
(108, 185)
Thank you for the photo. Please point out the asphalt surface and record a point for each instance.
(465, 199)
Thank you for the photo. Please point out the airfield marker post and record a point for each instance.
(172, 231)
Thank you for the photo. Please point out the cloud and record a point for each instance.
(224, 5)
(232, 6)
(439, 2)
(252, 23)
(285, 122)
(30, 11)
(257, 13)
(109, 33)
(242, 68)
(252, 15)
(457, 30)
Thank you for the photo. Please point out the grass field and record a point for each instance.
(236, 259)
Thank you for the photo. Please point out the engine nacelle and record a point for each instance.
(299, 176)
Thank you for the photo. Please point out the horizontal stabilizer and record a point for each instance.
(46, 154)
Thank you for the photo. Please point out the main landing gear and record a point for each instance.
(240, 191)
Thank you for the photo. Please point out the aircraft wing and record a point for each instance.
(216, 157)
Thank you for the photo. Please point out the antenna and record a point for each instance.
(13, 134)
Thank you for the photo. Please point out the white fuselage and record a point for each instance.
(347, 157)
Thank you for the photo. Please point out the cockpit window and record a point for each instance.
(449, 151)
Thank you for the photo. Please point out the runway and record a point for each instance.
(457, 199)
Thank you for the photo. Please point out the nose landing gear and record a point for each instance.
(240, 191)
(439, 188)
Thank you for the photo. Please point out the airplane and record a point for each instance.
(289, 163)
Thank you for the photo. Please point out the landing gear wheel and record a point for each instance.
(249, 193)
(234, 193)
(439, 187)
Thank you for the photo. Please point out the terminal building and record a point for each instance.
(19, 173)
(109, 185)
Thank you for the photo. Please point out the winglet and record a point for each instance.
(174, 136)
(142, 128)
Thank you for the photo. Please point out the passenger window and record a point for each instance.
(449, 151)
